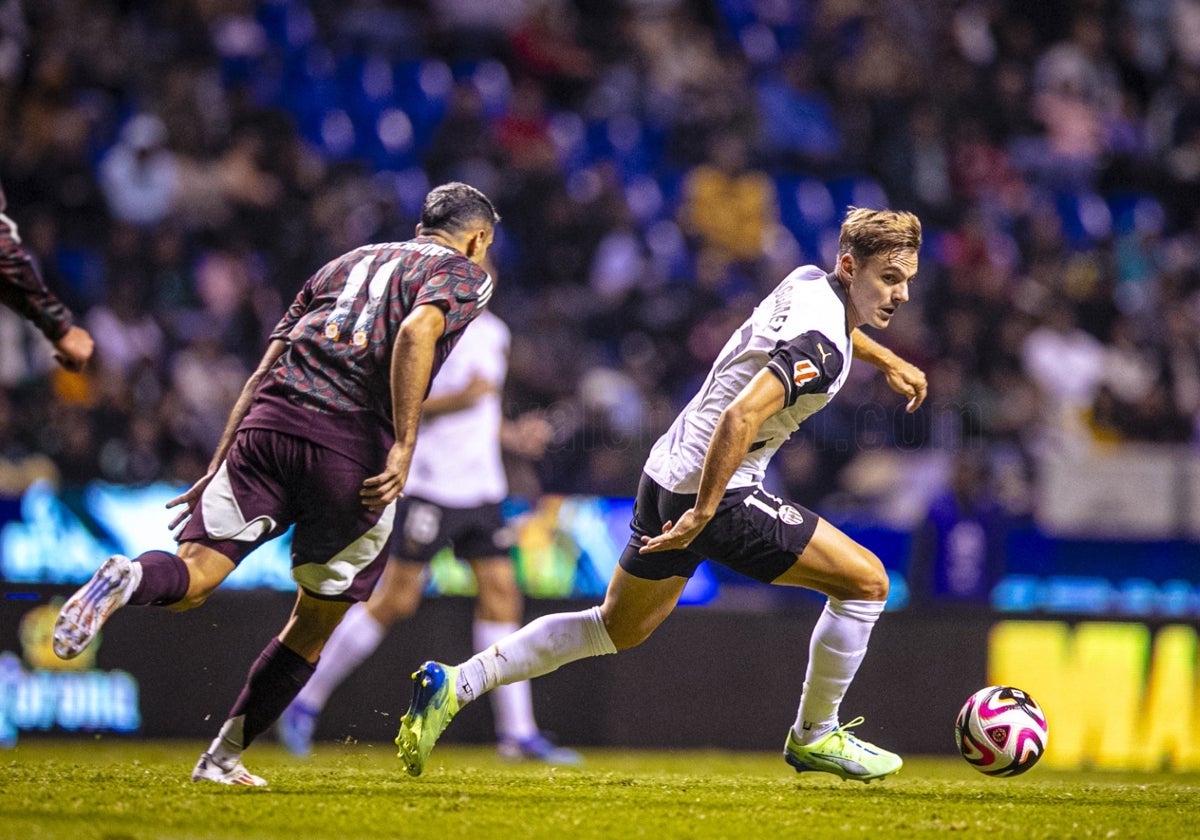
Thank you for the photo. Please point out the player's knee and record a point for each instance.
(396, 607)
(871, 579)
(499, 601)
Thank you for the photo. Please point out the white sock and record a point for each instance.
(542, 646)
(512, 705)
(838, 645)
(356, 638)
(227, 748)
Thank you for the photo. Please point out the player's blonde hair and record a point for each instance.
(866, 233)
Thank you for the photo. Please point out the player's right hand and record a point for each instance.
(676, 535)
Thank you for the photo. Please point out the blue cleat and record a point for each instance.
(434, 704)
(538, 748)
(295, 729)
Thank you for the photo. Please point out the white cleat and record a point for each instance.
(208, 770)
(84, 614)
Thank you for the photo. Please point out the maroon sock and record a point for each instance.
(165, 579)
(275, 679)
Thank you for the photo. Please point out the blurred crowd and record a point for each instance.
(179, 168)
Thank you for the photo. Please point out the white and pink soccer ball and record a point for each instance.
(1001, 731)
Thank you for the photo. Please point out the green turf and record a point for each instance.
(118, 789)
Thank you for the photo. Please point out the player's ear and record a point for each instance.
(847, 266)
(477, 244)
(417, 230)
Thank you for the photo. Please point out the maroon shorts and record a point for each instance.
(271, 480)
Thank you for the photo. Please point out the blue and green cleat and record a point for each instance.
(842, 754)
(434, 704)
(538, 747)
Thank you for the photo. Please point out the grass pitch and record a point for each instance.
(125, 789)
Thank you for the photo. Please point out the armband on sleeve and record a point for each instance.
(806, 364)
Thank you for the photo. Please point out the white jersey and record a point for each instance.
(798, 333)
(457, 461)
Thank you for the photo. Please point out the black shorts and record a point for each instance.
(753, 532)
(424, 528)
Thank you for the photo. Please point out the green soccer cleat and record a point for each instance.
(843, 755)
(434, 705)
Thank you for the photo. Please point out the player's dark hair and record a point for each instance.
(866, 233)
(453, 207)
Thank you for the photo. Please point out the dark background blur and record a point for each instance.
(180, 167)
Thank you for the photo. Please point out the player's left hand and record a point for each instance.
(381, 490)
(676, 534)
(73, 350)
(191, 498)
(907, 380)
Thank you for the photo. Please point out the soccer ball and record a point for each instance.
(1001, 731)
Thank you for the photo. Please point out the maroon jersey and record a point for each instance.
(21, 286)
(332, 385)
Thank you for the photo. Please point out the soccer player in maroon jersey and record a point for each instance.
(22, 290)
(337, 395)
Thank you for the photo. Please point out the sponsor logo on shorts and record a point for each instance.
(788, 515)
(504, 538)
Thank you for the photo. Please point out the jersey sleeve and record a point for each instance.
(460, 288)
(22, 288)
(295, 312)
(806, 364)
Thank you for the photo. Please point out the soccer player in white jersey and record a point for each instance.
(453, 495)
(701, 496)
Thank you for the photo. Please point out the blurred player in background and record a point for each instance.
(701, 496)
(23, 291)
(453, 497)
(337, 394)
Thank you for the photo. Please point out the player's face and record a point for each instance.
(879, 284)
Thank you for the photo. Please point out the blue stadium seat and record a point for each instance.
(807, 209)
(1086, 218)
(422, 89)
(856, 191)
(1136, 212)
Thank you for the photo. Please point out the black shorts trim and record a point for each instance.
(423, 528)
(753, 532)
